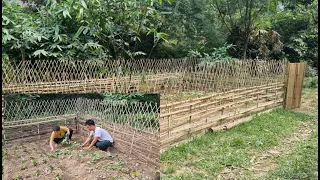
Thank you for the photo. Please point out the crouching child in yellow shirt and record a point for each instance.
(58, 134)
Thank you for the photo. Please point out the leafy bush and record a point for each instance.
(219, 54)
(311, 82)
(311, 71)
(82, 30)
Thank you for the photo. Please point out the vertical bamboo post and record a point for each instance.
(169, 123)
(258, 97)
(275, 96)
(85, 84)
(206, 111)
(76, 121)
(235, 107)
(3, 131)
(38, 131)
(190, 117)
(134, 132)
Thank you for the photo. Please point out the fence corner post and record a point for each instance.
(293, 85)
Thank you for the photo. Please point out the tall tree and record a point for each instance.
(239, 17)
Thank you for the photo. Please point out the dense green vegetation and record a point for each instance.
(211, 29)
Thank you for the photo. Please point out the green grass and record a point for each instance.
(302, 163)
(209, 154)
(311, 82)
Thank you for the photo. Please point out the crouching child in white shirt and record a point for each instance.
(98, 137)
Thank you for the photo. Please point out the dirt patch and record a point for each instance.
(309, 102)
(32, 160)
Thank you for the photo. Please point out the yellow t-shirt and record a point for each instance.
(63, 130)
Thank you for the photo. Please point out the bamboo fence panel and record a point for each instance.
(179, 120)
(141, 144)
(134, 126)
(146, 76)
(70, 76)
(216, 88)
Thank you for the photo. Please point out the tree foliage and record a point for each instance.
(97, 29)
(298, 25)
(71, 29)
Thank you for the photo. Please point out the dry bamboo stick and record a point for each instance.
(36, 123)
(42, 119)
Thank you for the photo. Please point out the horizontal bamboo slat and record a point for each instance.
(199, 119)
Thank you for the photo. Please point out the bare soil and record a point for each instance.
(31, 160)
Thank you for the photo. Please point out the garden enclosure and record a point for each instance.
(195, 95)
(134, 126)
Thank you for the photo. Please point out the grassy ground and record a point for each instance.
(302, 163)
(278, 145)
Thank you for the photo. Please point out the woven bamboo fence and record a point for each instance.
(229, 91)
(134, 126)
(145, 76)
(181, 82)
(86, 76)
(184, 119)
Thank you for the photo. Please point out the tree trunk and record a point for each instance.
(245, 46)
(23, 55)
(247, 28)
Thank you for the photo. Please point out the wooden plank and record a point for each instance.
(290, 86)
(298, 84)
